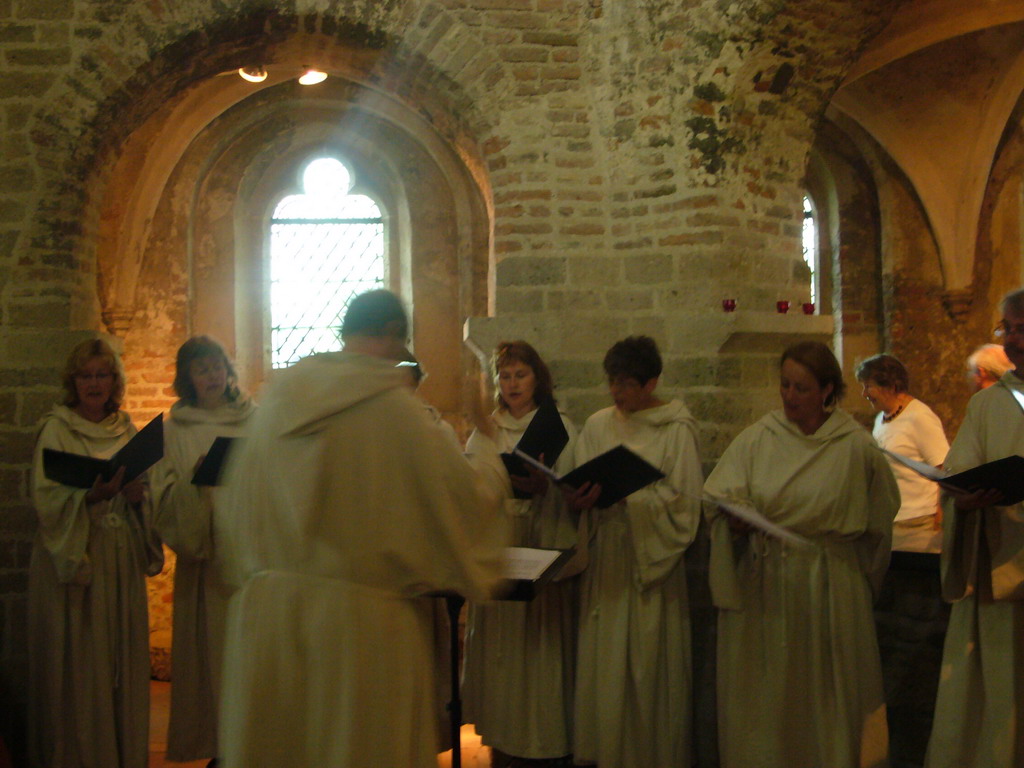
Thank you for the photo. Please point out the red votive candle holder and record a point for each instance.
(782, 307)
(728, 305)
(808, 307)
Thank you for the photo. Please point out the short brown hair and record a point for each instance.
(197, 348)
(885, 371)
(375, 313)
(634, 357)
(508, 352)
(819, 360)
(82, 353)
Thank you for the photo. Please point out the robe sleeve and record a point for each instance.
(485, 459)
(961, 531)
(64, 523)
(730, 479)
(152, 545)
(182, 512)
(883, 500)
(663, 517)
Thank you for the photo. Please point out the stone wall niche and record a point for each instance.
(204, 264)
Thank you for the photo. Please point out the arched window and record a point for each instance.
(810, 246)
(326, 246)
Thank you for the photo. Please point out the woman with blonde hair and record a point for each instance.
(88, 628)
(210, 406)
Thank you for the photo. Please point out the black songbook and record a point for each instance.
(212, 468)
(527, 571)
(136, 456)
(619, 471)
(545, 436)
(1004, 475)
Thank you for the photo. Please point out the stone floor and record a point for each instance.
(474, 755)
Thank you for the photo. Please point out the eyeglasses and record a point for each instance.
(105, 376)
(1005, 329)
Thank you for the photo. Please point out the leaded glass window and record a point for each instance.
(810, 246)
(326, 246)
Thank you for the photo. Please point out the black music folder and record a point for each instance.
(212, 468)
(136, 456)
(1005, 475)
(619, 471)
(545, 436)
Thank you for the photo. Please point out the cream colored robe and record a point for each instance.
(343, 506)
(799, 677)
(633, 678)
(183, 515)
(981, 689)
(88, 628)
(519, 669)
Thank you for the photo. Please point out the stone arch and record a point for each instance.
(216, 204)
(120, 116)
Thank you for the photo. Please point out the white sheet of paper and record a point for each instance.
(925, 470)
(748, 514)
(527, 563)
(534, 463)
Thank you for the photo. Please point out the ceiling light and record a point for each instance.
(312, 77)
(253, 74)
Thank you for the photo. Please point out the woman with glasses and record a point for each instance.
(88, 628)
(906, 426)
(210, 405)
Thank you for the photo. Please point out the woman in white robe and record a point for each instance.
(88, 627)
(210, 406)
(519, 669)
(799, 677)
(633, 680)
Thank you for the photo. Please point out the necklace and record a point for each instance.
(887, 417)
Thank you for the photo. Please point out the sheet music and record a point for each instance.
(750, 515)
(527, 563)
(925, 470)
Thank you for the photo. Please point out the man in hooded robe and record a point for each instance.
(344, 507)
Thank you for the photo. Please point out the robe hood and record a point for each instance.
(1011, 381)
(114, 425)
(229, 413)
(302, 398)
(506, 420)
(836, 426)
(671, 412)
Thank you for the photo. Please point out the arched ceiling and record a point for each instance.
(935, 89)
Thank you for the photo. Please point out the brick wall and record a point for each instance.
(636, 162)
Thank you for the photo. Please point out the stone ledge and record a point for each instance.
(773, 332)
(583, 335)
